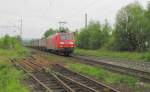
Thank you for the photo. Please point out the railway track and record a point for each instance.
(48, 82)
(81, 79)
(43, 80)
(36, 83)
(143, 75)
(138, 73)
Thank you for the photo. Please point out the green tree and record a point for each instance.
(131, 30)
(7, 42)
(106, 32)
(49, 32)
(83, 38)
(94, 36)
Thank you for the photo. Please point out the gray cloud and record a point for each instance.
(39, 15)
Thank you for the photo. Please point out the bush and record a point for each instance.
(8, 42)
(83, 38)
(12, 47)
(94, 36)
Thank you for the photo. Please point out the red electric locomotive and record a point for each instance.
(61, 42)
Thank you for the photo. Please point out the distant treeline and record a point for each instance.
(131, 31)
(8, 42)
(51, 31)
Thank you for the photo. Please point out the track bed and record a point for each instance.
(59, 79)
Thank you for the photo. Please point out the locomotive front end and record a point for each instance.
(67, 43)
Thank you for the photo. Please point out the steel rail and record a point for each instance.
(36, 78)
(88, 81)
(143, 75)
(60, 81)
(38, 81)
(82, 87)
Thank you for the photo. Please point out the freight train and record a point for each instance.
(59, 43)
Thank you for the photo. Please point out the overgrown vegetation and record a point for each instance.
(95, 71)
(94, 36)
(11, 47)
(10, 79)
(108, 77)
(131, 31)
(104, 75)
(128, 37)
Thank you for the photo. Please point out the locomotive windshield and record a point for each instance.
(66, 36)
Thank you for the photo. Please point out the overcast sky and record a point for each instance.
(39, 15)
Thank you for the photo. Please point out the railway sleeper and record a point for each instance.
(73, 84)
(82, 79)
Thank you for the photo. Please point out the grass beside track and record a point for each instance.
(104, 75)
(13, 53)
(101, 53)
(10, 77)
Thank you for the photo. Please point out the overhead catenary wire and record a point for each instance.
(91, 4)
(83, 9)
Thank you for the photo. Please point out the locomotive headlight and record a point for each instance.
(70, 42)
(61, 42)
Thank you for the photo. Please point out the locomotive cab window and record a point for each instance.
(66, 36)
